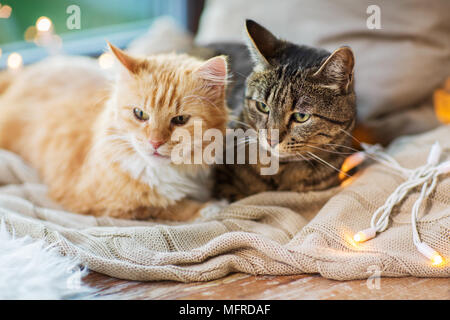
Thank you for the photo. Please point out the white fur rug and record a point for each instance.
(30, 269)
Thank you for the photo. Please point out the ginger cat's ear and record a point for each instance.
(130, 63)
(214, 71)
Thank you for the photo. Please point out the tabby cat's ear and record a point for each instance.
(214, 71)
(261, 43)
(337, 70)
(130, 63)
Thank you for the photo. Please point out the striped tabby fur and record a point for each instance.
(290, 78)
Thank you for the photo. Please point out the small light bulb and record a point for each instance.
(430, 253)
(436, 260)
(435, 153)
(14, 60)
(365, 235)
(444, 168)
(43, 24)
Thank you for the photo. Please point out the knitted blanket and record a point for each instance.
(276, 233)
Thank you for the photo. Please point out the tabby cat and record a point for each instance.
(307, 94)
(106, 150)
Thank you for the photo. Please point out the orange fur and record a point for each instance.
(62, 116)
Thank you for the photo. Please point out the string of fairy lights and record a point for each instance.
(42, 33)
(425, 176)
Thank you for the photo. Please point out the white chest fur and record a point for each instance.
(168, 180)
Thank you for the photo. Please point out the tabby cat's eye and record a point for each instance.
(140, 115)
(300, 117)
(180, 120)
(262, 107)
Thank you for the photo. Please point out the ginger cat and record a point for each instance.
(105, 150)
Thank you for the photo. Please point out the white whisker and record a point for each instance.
(240, 122)
(330, 151)
(327, 163)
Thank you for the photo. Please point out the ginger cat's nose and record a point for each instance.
(156, 143)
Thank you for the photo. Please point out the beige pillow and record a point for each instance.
(164, 35)
(397, 66)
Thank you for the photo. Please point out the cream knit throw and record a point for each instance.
(277, 233)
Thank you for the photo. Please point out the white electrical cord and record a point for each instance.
(425, 176)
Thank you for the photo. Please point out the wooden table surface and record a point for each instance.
(243, 286)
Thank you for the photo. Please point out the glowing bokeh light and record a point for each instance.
(441, 98)
(351, 162)
(347, 181)
(5, 11)
(106, 60)
(14, 60)
(43, 24)
(30, 34)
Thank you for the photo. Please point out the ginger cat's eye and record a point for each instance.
(262, 107)
(180, 120)
(140, 115)
(300, 117)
